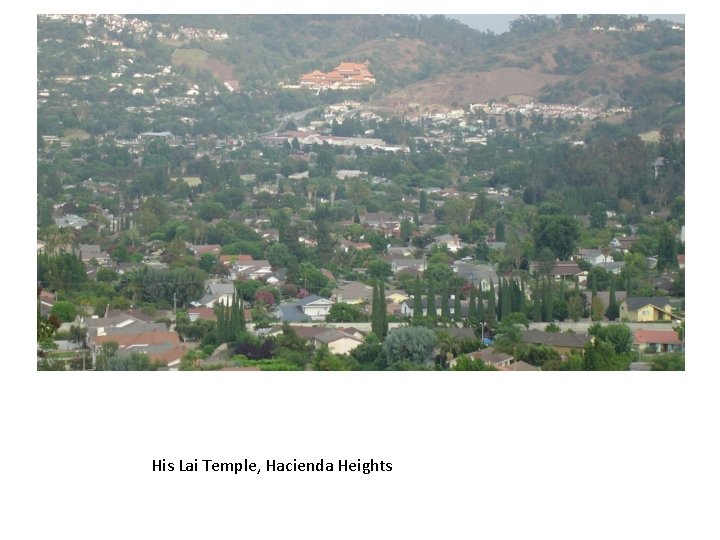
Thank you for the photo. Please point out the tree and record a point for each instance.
(134, 362)
(575, 307)
(668, 362)
(466, 363)
(597, 309)
(64, 310)
(431, 311)
(598, 216)
(417, 301)
(410, 347)
(559, 233)
(325, 161)
(619, 336)
(383, 310)
(423, 204)
(379, 269)
(613, 311)
(342, 312)
(667, 248)
(457, 307)
(445, 304)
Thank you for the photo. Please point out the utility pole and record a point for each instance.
(174, 303)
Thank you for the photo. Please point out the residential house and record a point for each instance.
(450, 241)
(88, 252)
(133, 334)
(338, 341)
(563, 270)
(382, 221)
(71, 221)
(492, 357)
(480, 275)
(399, 252)
(216, 292)
(623, 244)
(407, 307)
(646, 309)
(595, 257)
(353, 292)
(310, 308)
(250, 269)
(347, 245)
(398, 265)
(519, 365)
(563, 342)
(201, 249)
(658, 341)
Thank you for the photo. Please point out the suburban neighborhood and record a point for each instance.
(196, 212)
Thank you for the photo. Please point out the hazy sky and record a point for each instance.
(500, 23)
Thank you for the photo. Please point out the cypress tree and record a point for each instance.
(383, 310)
(491, 316)
(501, 294)
(472, 307)
(431, 300)
(537, 302)
(376, 323)
(612, 310)
(549, 300)
(593, 284)
(522, 308)
(234, 322)
(457, 316)
(445, 304)
(417, 301)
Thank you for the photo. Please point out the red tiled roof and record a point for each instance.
(664, 337)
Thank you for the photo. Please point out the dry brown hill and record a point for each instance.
(461, 88)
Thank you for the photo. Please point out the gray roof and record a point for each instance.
(491, 356)
(311, 299)
(476, 272)
(218, 289)
(636, 302)
(333, 335)
(556, 339)
(291, 313)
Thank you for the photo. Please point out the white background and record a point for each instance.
(475, 455)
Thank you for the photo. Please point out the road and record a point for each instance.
(295, 117)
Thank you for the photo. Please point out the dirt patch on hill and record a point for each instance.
(199, 59)
(457, 89)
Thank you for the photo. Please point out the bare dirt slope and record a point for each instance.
(479, 87)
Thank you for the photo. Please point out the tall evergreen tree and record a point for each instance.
(417, 301)
(472, 306)
(376, 322)
(593, 285)
(383, 310)
(500, 304)
(457, 306)
(612, 310)
(431, 313)
(445, 304)
(491, 313)
(537, 301)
